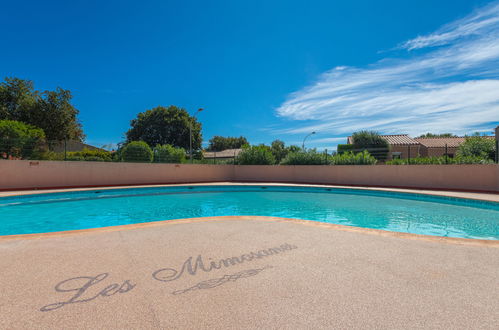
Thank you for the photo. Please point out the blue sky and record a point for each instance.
(265, 69)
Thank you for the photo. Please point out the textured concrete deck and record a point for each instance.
(284, 275)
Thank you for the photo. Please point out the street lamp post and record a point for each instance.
(303, 144)
(190, 132)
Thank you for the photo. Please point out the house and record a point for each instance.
(401, 146)
(224, 154)
(436, 147)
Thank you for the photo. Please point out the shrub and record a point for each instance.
(168, 154)
(477, 146)
(256, 155)
(75, 158)
(472, 160)
(137, 151)
(344, 148)
(19, 140)
(90, 155)
(420, 161)
(51, 155)
(94, 159)
(440, 160)
(310, 157)
(350, 158)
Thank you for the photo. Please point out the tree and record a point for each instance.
(168, 125)
(17, 97)
(219, 143)
(20, 140)
(51, 111)
(441, 135)
(371, 141)
(55, 114)
(256, 155)
(137, 151)
(279, 150)
(293, 148)
(478, 146)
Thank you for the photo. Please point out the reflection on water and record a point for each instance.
(422, 215)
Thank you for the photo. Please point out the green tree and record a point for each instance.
(371, 141)
(17, 98)
(278, 149)
(20, 140)
(219, 143)
(168, 154)
(441, 135)
(137, 151)
(51, 111)
(256, 155)
(55, 114)
(168, 125)
(478, 146)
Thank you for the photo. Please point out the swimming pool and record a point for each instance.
(392, 211)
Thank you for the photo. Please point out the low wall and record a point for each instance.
(20, 174)
(452, 177)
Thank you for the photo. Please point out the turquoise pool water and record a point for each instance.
(408, 213)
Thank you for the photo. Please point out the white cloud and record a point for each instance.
(452, 88)
(477, 23)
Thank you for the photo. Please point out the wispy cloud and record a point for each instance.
(475, 24)
(453, 87)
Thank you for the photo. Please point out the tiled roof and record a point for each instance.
(228, 153)
(452, 142)
(398, 139)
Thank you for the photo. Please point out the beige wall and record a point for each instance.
(458, 177)
(39, 174)
(20, 174)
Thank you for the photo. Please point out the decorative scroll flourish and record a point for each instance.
(213, 283)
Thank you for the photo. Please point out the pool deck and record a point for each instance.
(247, 273)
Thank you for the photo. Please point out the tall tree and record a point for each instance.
(17, 98)
(165, 125)
(55, 114)
(279, 150)
(51, 111)
(219, 143)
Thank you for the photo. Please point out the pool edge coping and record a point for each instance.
(480, 196)
(354, 229)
